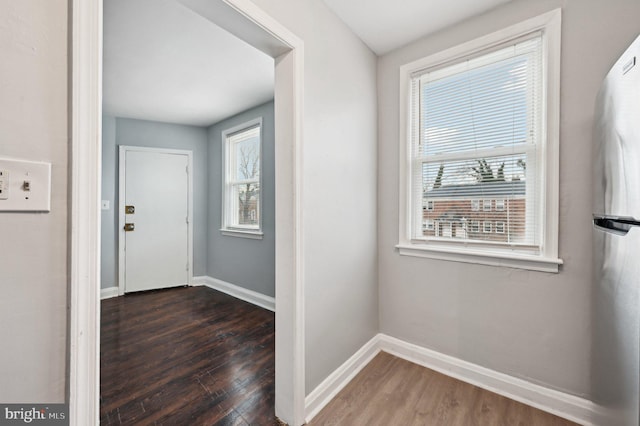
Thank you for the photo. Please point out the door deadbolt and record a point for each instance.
(128, 227)
(129, 209)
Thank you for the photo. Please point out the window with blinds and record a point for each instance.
(242, 178)
(476, 137)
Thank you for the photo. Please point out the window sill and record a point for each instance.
(254, 235)
(480, 257)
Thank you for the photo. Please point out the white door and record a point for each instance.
(156, 219)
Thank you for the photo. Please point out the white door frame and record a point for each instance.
(122, 180)
(85, 170)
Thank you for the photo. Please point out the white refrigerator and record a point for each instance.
(616, 218)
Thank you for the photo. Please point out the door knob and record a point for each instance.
(128, 227)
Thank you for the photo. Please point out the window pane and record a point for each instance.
(482, 103)
(463, 197)
(246, 206)
(246, 158)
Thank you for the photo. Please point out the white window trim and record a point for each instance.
(239, 230)
(546, 259)
(487, 224)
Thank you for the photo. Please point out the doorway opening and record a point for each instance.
(252, 25)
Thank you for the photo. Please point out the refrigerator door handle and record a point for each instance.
(615, 224)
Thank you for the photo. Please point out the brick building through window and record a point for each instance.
(486, 211)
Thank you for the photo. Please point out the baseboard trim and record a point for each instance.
(258, 299)
(109, 292)
(329, 388)
(561, 404)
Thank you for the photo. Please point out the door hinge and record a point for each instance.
(187, 266)
(187, 169)
(187, 220)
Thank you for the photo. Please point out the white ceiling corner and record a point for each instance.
(163, 62)
(386, 25)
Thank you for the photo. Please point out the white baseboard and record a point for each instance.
(109, 292)
(561, 404)
(564, 405)
(329, 388)
(238, 292)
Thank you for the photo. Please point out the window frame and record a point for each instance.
(545, 258)
(487, 227)
(228, 228)
(429, 225)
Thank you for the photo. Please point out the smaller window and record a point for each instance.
(499, 227)
(486, 205)
(500, 205)
(486, 227)
(241, 195)
(446, 229)
(475, 226)
(475, 205)
(428, 225)
(430, 205)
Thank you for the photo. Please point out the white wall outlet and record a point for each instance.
(25, 185)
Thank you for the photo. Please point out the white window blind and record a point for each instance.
(476, 138)
(242, 182)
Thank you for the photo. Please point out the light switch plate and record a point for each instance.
(4, 184)
(26, 186)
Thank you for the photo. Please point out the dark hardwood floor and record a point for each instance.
(186, 356)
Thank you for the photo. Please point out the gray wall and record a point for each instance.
(158, 135)
(244, 262)
(339, 185)
(109, 218)
(33, 264)
(532, 325)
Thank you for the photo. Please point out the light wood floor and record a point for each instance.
(390, 391)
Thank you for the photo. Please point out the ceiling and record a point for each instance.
(164, 62)
(386, 25)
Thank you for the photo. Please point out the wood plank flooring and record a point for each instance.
(391, 391)
(186, 356)
(194, 356)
